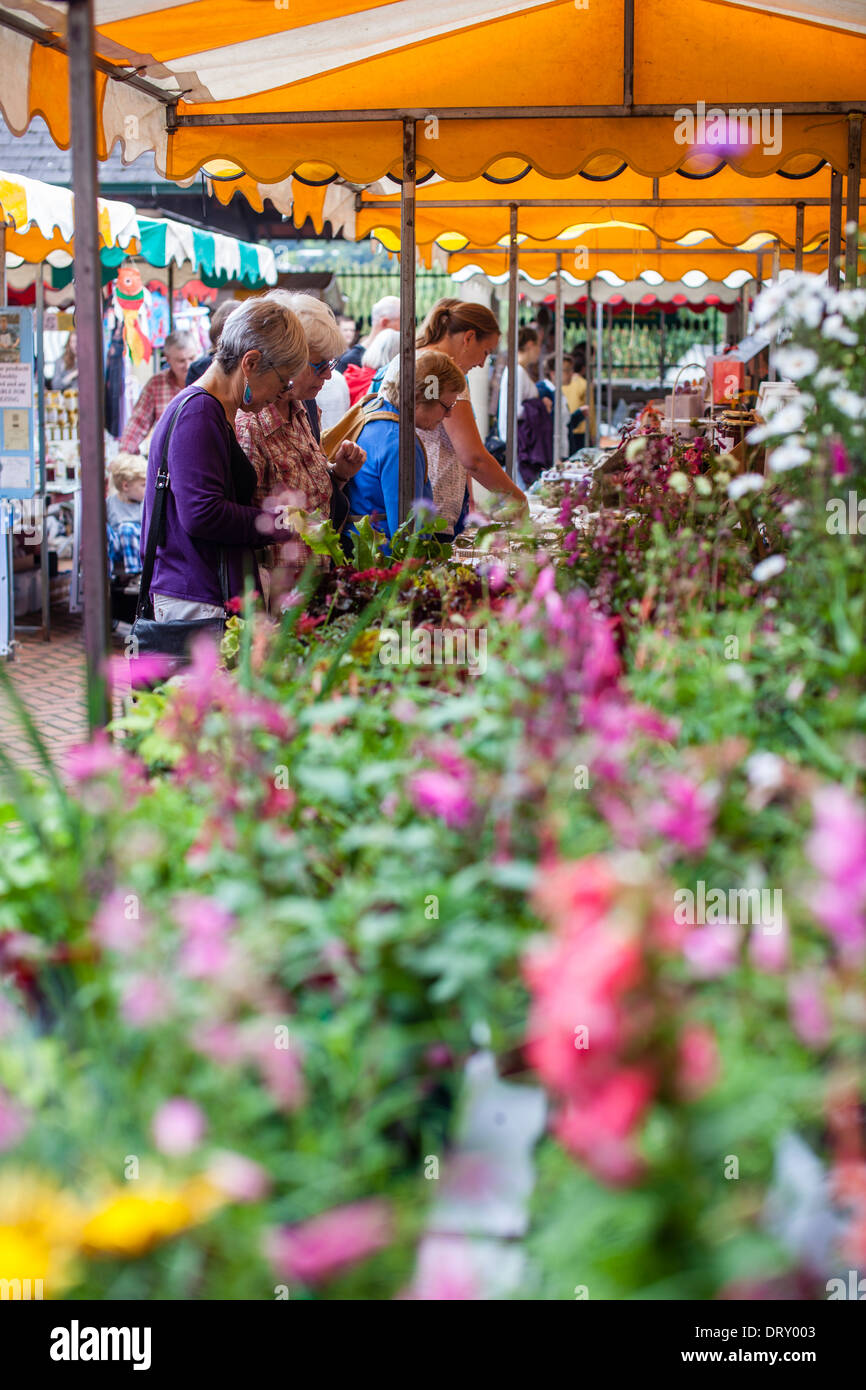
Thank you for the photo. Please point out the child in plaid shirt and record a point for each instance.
(127, 476)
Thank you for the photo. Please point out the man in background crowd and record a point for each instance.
(159, 392)
(385, 314)
(217, 319)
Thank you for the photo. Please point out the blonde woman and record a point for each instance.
(468, 333)
(375, 489)
(211, 520)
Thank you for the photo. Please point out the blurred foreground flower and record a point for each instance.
(129, 1223)
(317, 1250)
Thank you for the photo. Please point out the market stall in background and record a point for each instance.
(158, 276)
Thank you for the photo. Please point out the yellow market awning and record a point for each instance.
(40, 219)
(628, 264)
(783, 80)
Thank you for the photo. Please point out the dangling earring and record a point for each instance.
(248, 395)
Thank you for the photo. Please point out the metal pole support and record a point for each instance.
(511, 405)
(407, 323)
(88, 306)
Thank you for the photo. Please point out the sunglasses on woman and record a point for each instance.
(321, 367)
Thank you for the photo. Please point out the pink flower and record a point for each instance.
(144, 999)
(837, 848)
(178, 1127)
(808, 1011)
(14, 1122)
(698, 1061)
(686, 814)
(712, 950)
(117, 925)
(444, 1272)
(768, 950)
(598, 1129)
(138, 670)
(841, 464)
(440, 794)
(238, 1177)
(220, 1041)
(205, 952)
(317, 1250)
(279, 1066)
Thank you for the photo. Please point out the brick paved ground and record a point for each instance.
(50, 678)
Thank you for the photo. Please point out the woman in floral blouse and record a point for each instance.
(282, 442)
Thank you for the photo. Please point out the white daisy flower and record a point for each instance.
(747, 482)
(827, 377)
(790, 455)
(835, 327)
(848, 402)
(765, 770)
(796, 362)
(769, 568)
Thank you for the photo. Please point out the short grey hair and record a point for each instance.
(383, 349)
(324, 338)
(387, 308)
(260, 325)
(181, 340)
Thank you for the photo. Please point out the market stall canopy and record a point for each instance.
(625, 82)
(624, 263)
(681, 204)
(40, 220)
(217, 258)
(674, 294)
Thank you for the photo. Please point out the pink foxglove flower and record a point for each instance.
(317, 1250)
(178, 1127)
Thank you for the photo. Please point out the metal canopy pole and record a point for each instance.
(511, 401)
(174, 120)
(382, 204)
(834, 244)
(610, 368)
(88, 306)
(589, 434)
(43, 487)
(407, 324)
(798, 239)
(557, 379)
(3, 259)
(599, 364)
(852, 250)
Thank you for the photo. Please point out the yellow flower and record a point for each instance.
(39, 1233)
(130, 1223)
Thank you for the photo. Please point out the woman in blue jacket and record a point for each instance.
(374, 490)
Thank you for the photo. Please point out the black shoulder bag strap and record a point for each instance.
(156, 524)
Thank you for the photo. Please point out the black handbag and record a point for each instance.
(173, 639)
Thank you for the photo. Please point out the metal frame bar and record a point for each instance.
(511, 399)
(798, 238)
(628, 54)
(834, 243)
(557, 372)
(599, 355)
(590, 435)
(176, 121)
(383, 206)
(48, 40)
(852, 210)
(88, 306)
(40, 425)
(407, 324)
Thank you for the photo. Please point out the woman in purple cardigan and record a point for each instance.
(209, 511)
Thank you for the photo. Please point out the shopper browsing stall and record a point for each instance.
(159, 392)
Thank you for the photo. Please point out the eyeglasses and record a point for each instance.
(287, 385)
(447, 408)
(321, 367)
